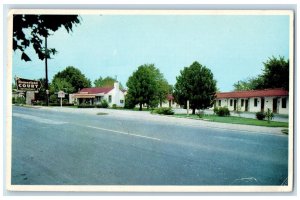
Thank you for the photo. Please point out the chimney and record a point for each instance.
(116, 85)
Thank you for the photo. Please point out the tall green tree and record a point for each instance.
(275, 75)
(196, 84)
(144, 86)
(106, 82)
(61, 84)
(74, 77)
(32, 30)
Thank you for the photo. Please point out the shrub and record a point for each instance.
(114, 106)
(222, 111)
(269, 114)
(260, 115)
(216, 109)
(163, 111)
(200, 114)
(104, 104)
(53, 98)
(19, 100)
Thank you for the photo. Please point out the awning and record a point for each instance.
(84, 96)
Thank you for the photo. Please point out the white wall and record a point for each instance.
(252, 108)
(117, 95)
(283, 110)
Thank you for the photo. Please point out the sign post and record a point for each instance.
(61, 95)
(187, 106)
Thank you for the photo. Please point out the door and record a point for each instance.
(262, 105)
(234, 105)
(275, 105)
(246, 104)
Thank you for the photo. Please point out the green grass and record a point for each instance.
(235, 120)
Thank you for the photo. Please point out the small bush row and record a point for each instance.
(221, 111)
(163, 111)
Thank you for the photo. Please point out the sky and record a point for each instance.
(233, 47)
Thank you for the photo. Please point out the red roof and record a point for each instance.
(170, 97)
(96, 90)
(253, 93)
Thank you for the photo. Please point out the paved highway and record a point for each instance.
(60, 148)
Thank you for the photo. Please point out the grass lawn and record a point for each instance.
(235, 120)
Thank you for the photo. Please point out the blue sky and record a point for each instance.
(233, 47)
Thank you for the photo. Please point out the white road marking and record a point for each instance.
(38, 119)
(124, 133)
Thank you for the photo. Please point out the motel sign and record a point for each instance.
(26, 84)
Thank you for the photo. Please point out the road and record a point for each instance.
(73, 148)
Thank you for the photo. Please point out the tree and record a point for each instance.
(39, 27)
(41, 95)
(74, 77)
(249, 84)
(61, 84)
(163, 88)
(144, 86)
(106, 82)
(275, 75)
(196, 84)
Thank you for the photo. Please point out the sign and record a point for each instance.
(26, 84)
(61, 94)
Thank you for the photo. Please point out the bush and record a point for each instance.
(163, 111)
(19, 100)
(269, 114)
(200, 114)
(216, 109)
(222, 111)
(114, 106)
(260, 115)
(104, 103)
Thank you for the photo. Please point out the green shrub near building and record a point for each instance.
(221, 111)
(260, 115)
(163, 111)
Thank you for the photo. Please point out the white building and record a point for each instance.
(170, 102)
(277, 100)
(113, 95)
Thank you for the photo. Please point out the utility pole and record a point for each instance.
(46, 70)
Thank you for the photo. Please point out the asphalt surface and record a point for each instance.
(53, 147)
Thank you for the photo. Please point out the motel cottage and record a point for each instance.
(277, 100)
(113, 95)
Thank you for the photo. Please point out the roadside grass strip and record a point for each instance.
(234, 120)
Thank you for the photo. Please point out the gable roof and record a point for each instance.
(96, 90)
(253, 93)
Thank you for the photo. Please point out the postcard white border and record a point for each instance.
(128, 188)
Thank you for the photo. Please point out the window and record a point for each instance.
(109, 98)
(219, 102)
(121, 101)
(283, 103)
(255, 102)
(230, 102)
(242, 103)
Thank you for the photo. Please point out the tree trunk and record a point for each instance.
(160, 103)
(194, 111)
(141, 108)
